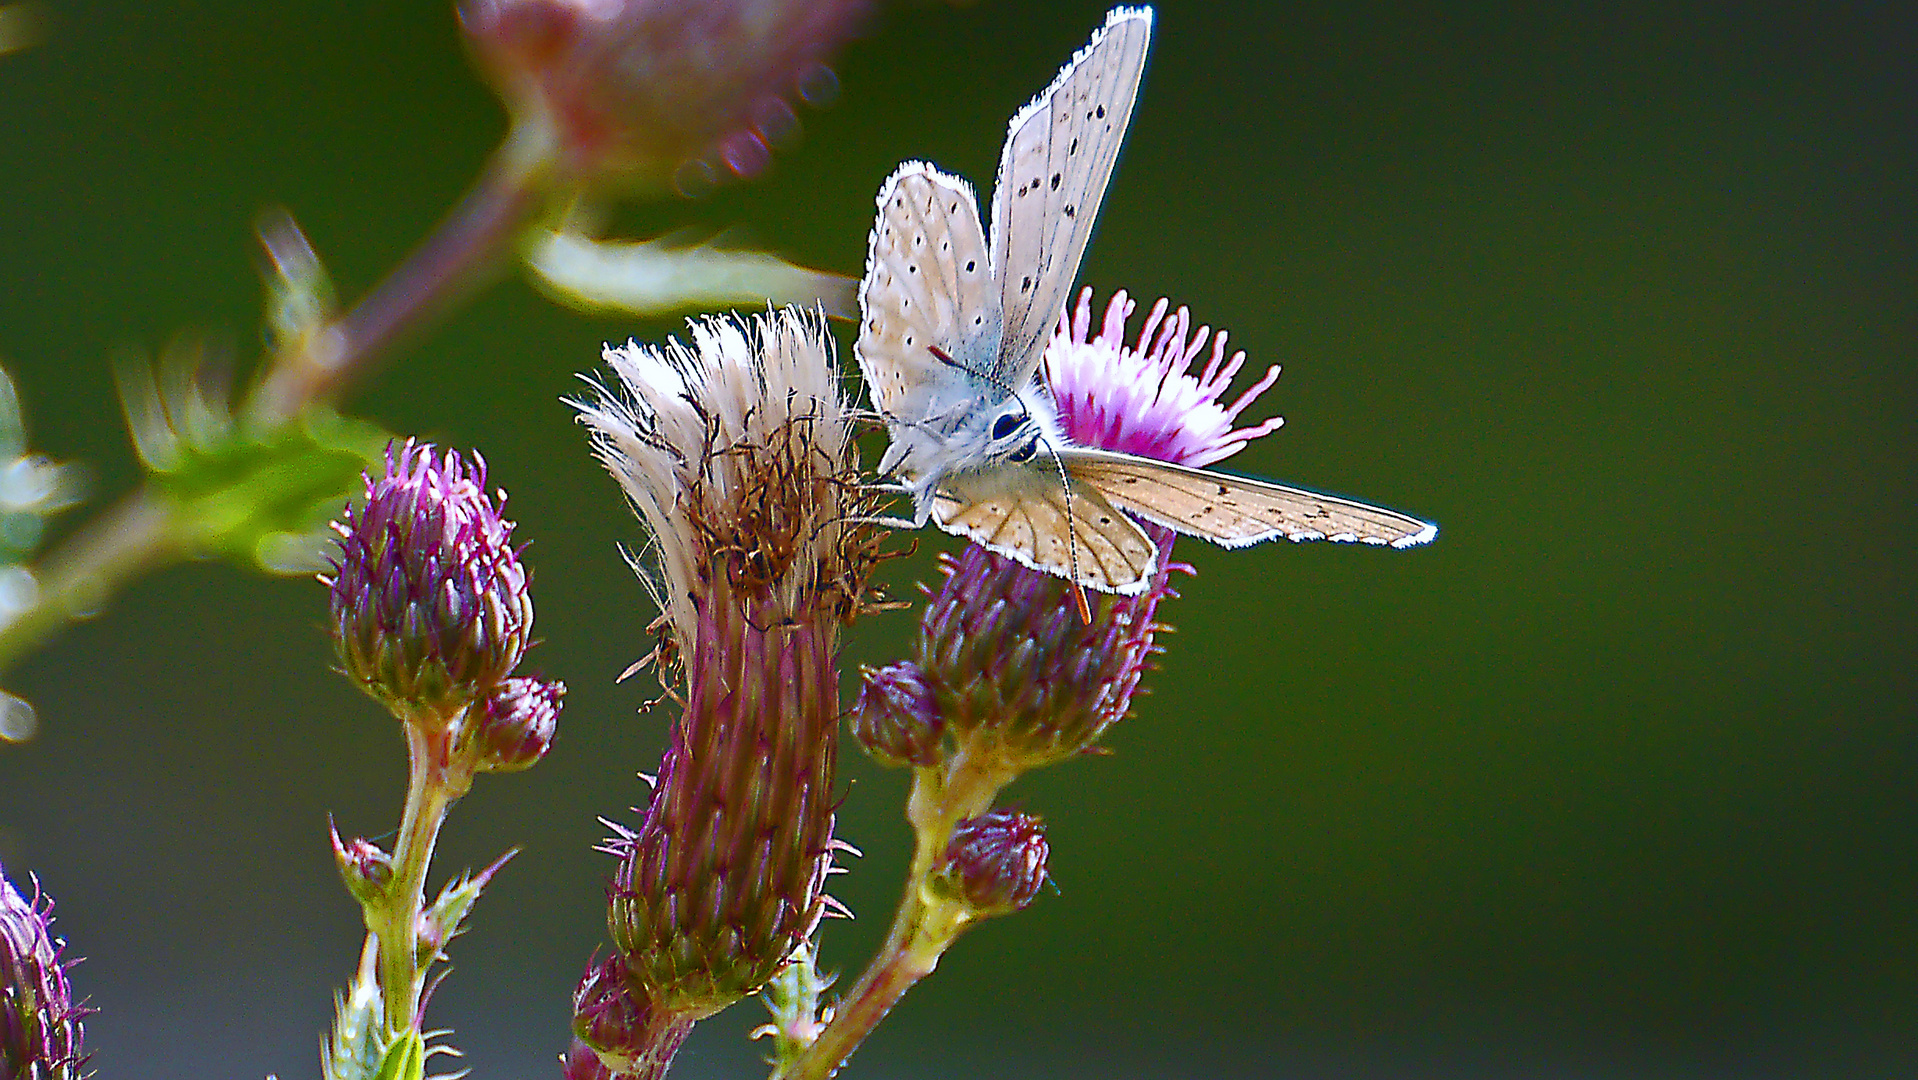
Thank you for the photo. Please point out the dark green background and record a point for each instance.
(1616, 779)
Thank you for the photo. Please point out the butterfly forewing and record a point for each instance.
(1235, 511)
(1059, 155)
(927, 287)
(1024, 513)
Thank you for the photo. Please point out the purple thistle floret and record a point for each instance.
(995, 862)
(40, 1029)
(429, 601)
(1015, 673)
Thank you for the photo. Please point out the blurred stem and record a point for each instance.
(138, 534)
(924, 926)
(145, 531)
(453, 257)
(436, 778)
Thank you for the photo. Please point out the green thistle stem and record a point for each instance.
(925, 925)
(436, 778)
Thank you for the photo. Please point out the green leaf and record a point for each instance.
(405, 1059)
(253, 496)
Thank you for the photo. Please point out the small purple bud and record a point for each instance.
(366, 869)
(638, 90)
(515, 725)
(430, 609)
(995, 862)
(40, 1029)
(896, 719)
(623, 1033)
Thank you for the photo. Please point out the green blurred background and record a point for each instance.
(1615, 779)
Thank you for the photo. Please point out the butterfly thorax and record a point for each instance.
(984, 434)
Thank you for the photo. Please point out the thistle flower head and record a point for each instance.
(995, 862)
(644, 89)
(1012, 667)
(430, 609)
(1014, 670)
(737, 454)
(1145, 398)
(736, 451)
(40, 1029)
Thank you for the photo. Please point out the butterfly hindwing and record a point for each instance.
(1059, 155)
(928, 286)
(1024, 513)
(1235, 511)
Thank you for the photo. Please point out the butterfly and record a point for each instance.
(953, 324)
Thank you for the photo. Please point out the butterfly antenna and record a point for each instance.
(1072, 535)
(986, 377)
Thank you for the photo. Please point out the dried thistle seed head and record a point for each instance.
(994, 863)
(40, 1029)
(736, 452)
(514, 727)
(430, 609)
(896, 717)
(641, 90)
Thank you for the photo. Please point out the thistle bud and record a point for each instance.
(995, 862)
(638, 90)
(895, 718)
(1014, 670)
(40, 1029)
(514, 728)
(365, 867)
(627, 1034)
(430, 609)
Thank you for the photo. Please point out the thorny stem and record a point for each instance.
(925, 925)
(436, 778)
(145, 530)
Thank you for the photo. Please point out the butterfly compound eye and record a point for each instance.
(1004, 426)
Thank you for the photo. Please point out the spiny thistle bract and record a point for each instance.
(995, 862)
(40, 1029)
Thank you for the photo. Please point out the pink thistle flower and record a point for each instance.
(1014, 671)
(1145, 399)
